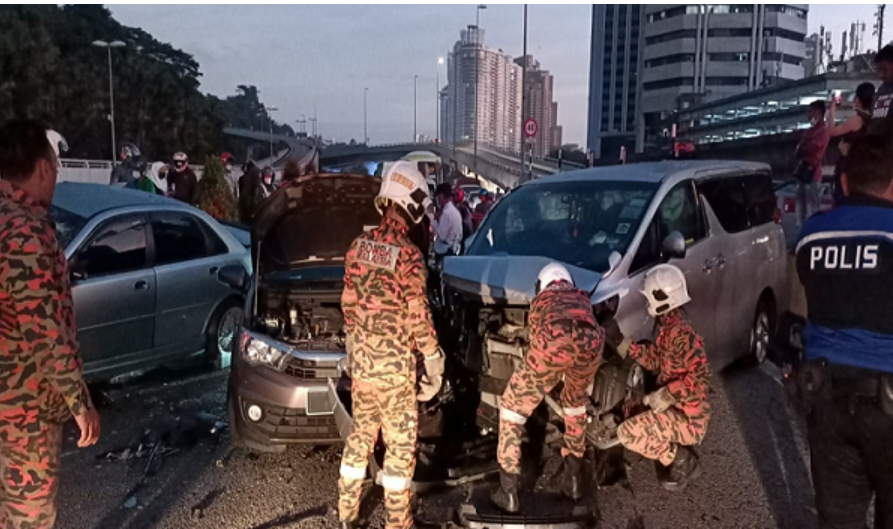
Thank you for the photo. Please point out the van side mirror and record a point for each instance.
(233, 276)
(673, 246)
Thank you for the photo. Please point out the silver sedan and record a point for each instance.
(144, 278)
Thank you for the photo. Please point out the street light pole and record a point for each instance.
(477, 76)
(437, 101)
(365, 120)
(108, 46)
(522, 132)
(270, 110)
(415, 109)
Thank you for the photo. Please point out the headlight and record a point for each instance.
(257, 352)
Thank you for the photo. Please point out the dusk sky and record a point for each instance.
(324, 55)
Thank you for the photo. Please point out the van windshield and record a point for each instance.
(578, 223)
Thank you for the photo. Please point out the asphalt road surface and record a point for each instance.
(756, 471)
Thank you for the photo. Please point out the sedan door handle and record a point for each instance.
(213, 270)
(141, 285)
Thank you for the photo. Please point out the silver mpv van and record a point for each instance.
(716, 220)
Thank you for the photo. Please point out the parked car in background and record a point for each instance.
(144, 278)
(787, 204)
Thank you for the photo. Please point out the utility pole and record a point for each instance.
(365, 122)
(437, 101)
(879, 25)
(521, 133)
(415, 109)
(477, 77)
(270, 110)
(108, 46)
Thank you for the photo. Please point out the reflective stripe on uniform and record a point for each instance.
(510, 416)
(575, 412)
(354, 473)
(395, 483)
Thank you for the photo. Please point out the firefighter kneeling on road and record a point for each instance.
(679, 409)
(565, 343)
(387, 319)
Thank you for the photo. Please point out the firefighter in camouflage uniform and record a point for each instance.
(679, 409)
(566, 344)
(40, 374)
(388, 321)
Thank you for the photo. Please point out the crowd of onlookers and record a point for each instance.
(869, 104)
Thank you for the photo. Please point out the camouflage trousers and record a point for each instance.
(657, 435)
(527, 389)
(29, 469)
(393, 410)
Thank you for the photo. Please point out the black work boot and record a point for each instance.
(572, 478)
(506, 496)
(683, 470)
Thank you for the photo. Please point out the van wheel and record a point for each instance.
(761, 332)
(222, 334)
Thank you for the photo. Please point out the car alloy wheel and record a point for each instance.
(227, 329)
(760, 334)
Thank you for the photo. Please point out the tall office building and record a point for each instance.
(498, 102)
(698, 53)
(613, 78)
(541, 106)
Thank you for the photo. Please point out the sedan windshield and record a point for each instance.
(578, 223)
(68, 225)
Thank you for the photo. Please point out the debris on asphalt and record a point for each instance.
(130, 503)
(198, 510)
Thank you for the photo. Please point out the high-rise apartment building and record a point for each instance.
(613, 77)
(540, 105)
(498, 101)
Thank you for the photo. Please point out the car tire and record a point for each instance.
(761, 331)
(222, 333)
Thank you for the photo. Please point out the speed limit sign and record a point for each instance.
(530, 127)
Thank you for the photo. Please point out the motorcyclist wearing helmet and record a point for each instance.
(182, 182)
(679, 408)
(462, 206)
(386, 321)
(127, 172)
(566, 343)
(267, 187)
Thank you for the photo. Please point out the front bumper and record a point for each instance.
(293, 410)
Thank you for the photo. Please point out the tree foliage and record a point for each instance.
(49, 69)
(215, 196)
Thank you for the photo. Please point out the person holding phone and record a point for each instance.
(849, 130)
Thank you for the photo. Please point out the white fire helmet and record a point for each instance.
(404, 185)
(551, 273)
(58, 143)
(664, 287)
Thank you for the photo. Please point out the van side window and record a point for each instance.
(680, 211)
(761, 200)
(726, 197)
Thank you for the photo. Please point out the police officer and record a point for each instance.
(679, 410)
(845, 263)
(566, 344)
(387, 319)
(41, 385)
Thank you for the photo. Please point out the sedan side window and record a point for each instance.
(180, 238)
(117, 247)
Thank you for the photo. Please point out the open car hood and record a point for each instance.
(507, 279)
(311, 221)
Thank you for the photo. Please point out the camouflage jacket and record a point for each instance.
(385, 304)
(677, 355)
(553, 314)
(40, 372)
